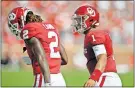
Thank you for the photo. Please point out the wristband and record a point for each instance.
(96, 75)
(47, 84)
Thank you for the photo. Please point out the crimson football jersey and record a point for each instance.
(49, 38)
(95, 38)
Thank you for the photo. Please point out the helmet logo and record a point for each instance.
(91, 11)
(11, 16)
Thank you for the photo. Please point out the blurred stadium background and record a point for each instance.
(116, 17)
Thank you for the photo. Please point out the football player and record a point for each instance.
(43, 46)
(97, 48)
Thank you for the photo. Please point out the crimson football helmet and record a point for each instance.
(85, 18)
(17, 19)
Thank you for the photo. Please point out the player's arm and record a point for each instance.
(101, 56)
(101, 62)
(64, 58)
(97, 41)
(39, 54)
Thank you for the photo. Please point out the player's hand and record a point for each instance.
(90, 83)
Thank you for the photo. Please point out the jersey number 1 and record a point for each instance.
(93, 38)
(53, 45)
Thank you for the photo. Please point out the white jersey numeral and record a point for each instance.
(25, 34)
(53, 44)
(91, 11)
(93, 38)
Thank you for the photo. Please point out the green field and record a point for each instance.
(73, 77)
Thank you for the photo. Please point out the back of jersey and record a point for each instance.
(49, 38)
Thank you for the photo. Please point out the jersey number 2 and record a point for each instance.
(53, 45)
(25, 34)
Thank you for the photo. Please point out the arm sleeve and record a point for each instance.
(97, 40)
(99, 49)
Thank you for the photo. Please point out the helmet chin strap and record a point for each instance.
(86, 31)
(92, 26)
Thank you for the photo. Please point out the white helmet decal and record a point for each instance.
(91, 11)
